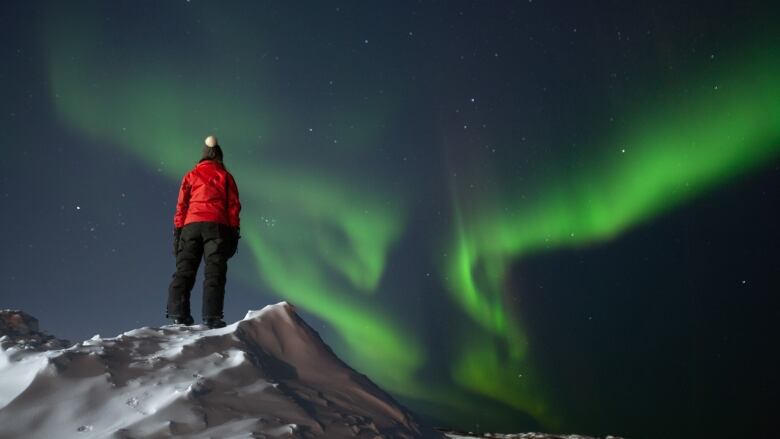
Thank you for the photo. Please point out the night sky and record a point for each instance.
(513, 216)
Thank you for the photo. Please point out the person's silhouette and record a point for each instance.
(206, 225)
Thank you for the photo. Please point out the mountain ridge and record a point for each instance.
(267, 375)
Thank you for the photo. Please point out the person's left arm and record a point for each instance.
(234, 204)
(182, 204)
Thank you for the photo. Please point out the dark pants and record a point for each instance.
(212, 242)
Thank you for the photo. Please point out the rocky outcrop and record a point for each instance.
(20, 330)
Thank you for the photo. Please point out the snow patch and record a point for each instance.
(267, 375)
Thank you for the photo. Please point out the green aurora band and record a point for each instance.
(672, 154)
(320, 226)
(328, 239)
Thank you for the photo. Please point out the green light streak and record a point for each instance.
(484, 367)
(676, 153)
(352, 231)
(385, 349)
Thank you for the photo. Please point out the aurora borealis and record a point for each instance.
(410, 174)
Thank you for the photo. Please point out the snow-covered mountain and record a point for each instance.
(269, 375)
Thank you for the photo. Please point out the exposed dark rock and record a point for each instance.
(468, 435)
(20, 330)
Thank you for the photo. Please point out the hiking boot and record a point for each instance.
(215, 323)
(183, 321)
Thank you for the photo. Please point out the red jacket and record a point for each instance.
(208, 193)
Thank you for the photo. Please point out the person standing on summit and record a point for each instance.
(206, 225)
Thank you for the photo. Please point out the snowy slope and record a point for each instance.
(268, 375)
